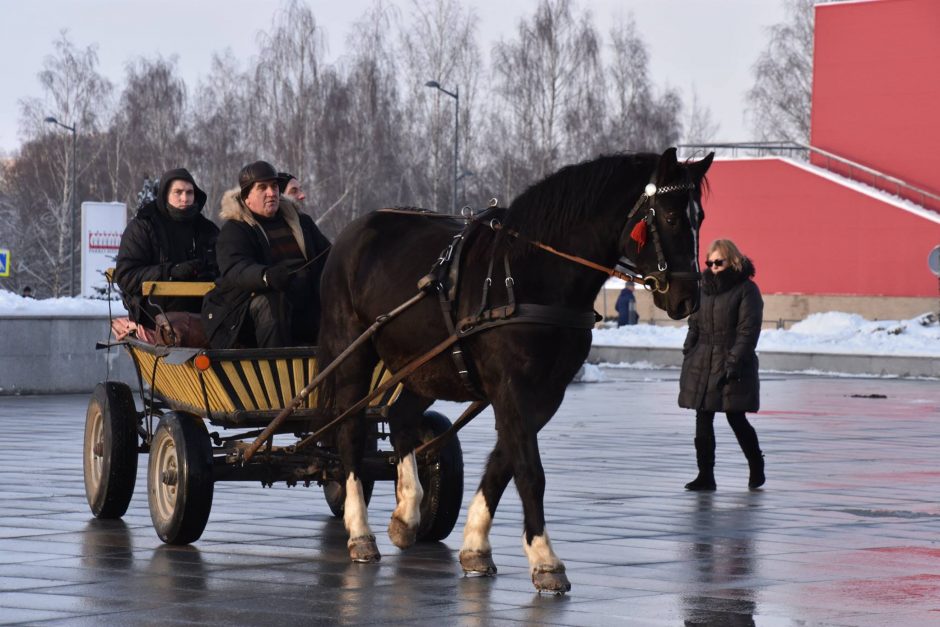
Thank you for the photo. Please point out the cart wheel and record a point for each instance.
(442, 481)
(110, 449)
(179, 478)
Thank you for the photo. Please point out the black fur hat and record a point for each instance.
(283, 178)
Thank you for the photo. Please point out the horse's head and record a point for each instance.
(660, 239)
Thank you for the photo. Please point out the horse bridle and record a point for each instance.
(657, 281)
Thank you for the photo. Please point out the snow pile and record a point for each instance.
(590, 373)
(850, 334)
(832, 332)
(14, 305)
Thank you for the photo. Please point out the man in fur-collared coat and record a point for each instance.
(270, 259)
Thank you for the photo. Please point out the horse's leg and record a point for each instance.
(476, 554)
(350, 440)
(404, 417)
(548, 571)
(519, 422)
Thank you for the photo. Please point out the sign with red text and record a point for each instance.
(102, 226)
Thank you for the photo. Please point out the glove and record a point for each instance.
(277, 277)
(732, 374)
(185, 270)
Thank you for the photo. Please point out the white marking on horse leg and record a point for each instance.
(476, 533)
(541, 555)
(409, 492)
(355, 516)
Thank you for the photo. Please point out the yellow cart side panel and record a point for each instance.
(283, 375)
(218, 399)
(236, 382)
(311, 373)
(254, 384)
(270, 386)
(297, 365)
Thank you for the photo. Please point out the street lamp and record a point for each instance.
(456, 96)
(72, 129)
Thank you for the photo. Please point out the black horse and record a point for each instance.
(644, 207)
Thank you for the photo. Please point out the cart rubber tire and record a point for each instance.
(179, 478)
(110, 449)
(442, 481)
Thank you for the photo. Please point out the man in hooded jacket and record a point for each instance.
(271, 257)
(168, 240)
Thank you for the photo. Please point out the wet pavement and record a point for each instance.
(845, 532)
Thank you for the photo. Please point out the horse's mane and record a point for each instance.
(548, 209)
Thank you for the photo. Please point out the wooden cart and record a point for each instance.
(183, 391)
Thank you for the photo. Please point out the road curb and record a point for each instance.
(875, 365)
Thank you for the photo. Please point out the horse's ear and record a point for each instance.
(698, 169)
(667, 164)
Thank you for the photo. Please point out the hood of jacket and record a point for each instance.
(717, 283)
(234, 208)
(179, 174)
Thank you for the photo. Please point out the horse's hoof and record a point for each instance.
(551, 579)
(477, 563)
(364, 550)
(401, 534)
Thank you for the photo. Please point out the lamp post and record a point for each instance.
(72, 129)
(456, 96)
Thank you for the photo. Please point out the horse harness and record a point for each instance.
(444, 279)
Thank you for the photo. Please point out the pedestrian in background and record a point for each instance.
(719, 369)
(626, 306)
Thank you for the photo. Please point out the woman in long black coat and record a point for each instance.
(719, 371)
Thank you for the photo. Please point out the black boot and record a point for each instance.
(756, 464)
(705, 456)
(747, 439)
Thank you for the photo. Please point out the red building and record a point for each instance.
(860, 220)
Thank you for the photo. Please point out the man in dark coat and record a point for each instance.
(271, 257)
(168, 240)
(720, 368)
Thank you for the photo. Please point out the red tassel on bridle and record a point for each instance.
(638, 235)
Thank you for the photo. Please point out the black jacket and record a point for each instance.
(153, 242)
(722, 337)
(244, 254)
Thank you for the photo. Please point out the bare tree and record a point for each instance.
(285, 102)
(438, 43)
(219, 145)
(39, 180)
(779, 101)
(546, 76)
(148, 132)
(640, 119)
(700, 127)
(359, 149)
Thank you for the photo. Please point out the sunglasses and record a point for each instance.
(717, 263)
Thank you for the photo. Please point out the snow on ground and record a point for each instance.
(14, 305)
(832, 332)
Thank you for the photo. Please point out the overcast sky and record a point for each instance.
(710, 45)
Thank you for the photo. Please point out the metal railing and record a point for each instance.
(824, 159)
